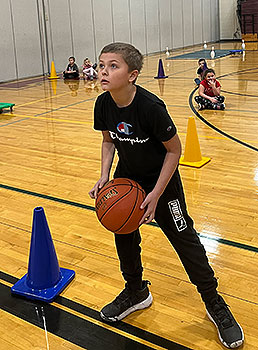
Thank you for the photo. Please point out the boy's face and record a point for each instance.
(71, 61)
(201, 63)
(113, 72)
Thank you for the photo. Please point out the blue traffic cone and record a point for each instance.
(161, 74)
(45, 279)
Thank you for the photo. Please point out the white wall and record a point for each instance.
(35, 32)
(228, 18)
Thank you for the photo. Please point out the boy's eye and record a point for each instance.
(101, 65)
(113, 65)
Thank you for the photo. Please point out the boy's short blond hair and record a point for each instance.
(132, 56)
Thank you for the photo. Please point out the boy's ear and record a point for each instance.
(133, 75)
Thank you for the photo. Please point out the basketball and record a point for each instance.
(118, 205)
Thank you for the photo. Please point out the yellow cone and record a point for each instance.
(53, 72)
(192, 156)
(54, 85)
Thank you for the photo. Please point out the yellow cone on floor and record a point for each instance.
(192, 156)
(53, 72)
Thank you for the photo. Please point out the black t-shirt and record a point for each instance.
(137, 131)
(200, 71)
(73, 67)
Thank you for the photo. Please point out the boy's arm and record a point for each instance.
(107, 156)
(173, 147)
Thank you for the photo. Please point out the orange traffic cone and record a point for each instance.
(192, 156)
(53, 72)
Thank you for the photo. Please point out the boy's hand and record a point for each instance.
(150, 203)
(94, 191)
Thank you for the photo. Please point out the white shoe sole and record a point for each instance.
(234, 345)
(142, 305)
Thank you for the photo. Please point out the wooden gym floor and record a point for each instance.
(50, 157)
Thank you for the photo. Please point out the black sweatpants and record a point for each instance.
(172, 217)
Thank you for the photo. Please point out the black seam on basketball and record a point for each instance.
(125, 194)
(130, 213)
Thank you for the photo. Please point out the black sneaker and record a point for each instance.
(127, 302)
(230, 332)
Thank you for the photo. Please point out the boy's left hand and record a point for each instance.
(150, 203)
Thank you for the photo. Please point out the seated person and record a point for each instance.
(200, 71)
(89, 70)
(209, 92)
(72, 70)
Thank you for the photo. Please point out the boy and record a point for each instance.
(209, 92)
(149, 149)
(201, 69)
(72, 70)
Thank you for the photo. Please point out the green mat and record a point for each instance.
(6, 105)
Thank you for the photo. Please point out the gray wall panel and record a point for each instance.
(60, 32)
(82, 29)
(121, 23)
(6, 43)
(165, 24)
(177, 24)
(27, 41)
(206, 20)
(138, 24)
(152, 25)
(197, 25)
(103, 23)
(187, 22)
(213, 20)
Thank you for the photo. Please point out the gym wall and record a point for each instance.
(35, 32)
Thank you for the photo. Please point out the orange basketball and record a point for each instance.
(118, 205)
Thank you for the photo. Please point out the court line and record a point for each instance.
(45, 118)
(89, 207)
(85, 319)
(239, 94)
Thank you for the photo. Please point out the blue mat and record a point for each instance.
(200, 54)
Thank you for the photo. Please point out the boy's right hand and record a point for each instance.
(94, 191)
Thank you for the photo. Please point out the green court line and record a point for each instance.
(88, 207)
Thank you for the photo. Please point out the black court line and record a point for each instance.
(88, 207)
(205, 121)
(239, 94)
(238, 72)
(75, 329)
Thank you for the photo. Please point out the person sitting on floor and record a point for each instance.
(209, 92)
(89, 70)
(200, 71)
(72, 70)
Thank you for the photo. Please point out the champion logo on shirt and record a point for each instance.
(124, 128)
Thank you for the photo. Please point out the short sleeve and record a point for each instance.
(99, 123)
(160, 122)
